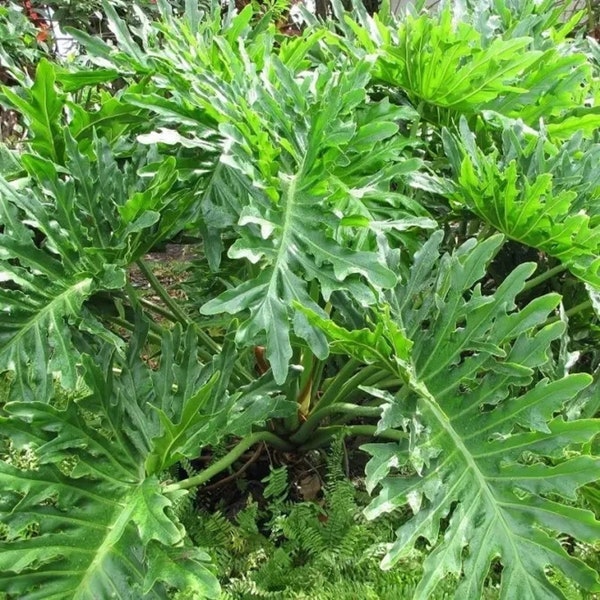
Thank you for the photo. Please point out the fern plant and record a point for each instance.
(347, 297)
(310, 549)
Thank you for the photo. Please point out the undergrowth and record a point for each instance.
(324, 549)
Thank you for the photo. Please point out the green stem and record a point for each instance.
(133, 298)
(163, 294)
(181, 317)
(318, 415)
(578, 308)
(352, 392)
(318, 374)
(376, 378)
(228, 460)
(591, 16)
(152, 336)
(326, 434)
(400, 397)
(569, 313)
(334, 384)
(389, 382)
(159, 310)
(544, 276)
(341, 385)
(381, 378)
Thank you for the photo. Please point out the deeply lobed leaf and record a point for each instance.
(537, 194)
(487, 450)
(66, 233)
(300, 149)
(84, 521)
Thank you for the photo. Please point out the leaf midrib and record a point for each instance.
(288, 205)
(115, 529)
(480, 478)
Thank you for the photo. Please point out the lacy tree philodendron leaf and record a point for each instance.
(308, 167)
(447, 65)
(539, 195)
(42, 108)
(297, 187)
(82, 509)
(189, 403)
(71, 226)
(66, 233)
(436, 60)
(488, 451)
(38, 295)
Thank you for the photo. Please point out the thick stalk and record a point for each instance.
(330, 384)
(591, 16)
(544, 277)
(163, 294)
(159, 310)
(326, 434)
(152, 335)
(351, 410)
(569, 313)
(140, 302)
(351, 392)
(228, 460)
(341, 385)
(175, 309)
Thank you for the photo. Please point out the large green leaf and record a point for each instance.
(191, 405)
(535, 193)
(80, 518)
(42, 107)
(39, 293)
(63, 238)
(488, 471)
(516, 60)
(306, 169)
(297, 178)
(83, 511)
(436, 60)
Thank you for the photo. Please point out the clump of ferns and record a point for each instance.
(304, 546)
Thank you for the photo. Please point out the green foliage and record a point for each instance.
(19, 48)
(312, 550)
(63, 240)
(428, 49)
(500, 61)
(119, 537)
(89, 14)
(487, 457)
(282, 183)
(350, 190)
(539, 194)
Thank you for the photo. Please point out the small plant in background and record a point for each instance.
(393, 247)
(19, 46)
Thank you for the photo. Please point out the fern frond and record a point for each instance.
(277, 482)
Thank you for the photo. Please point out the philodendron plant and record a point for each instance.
(356, 193)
